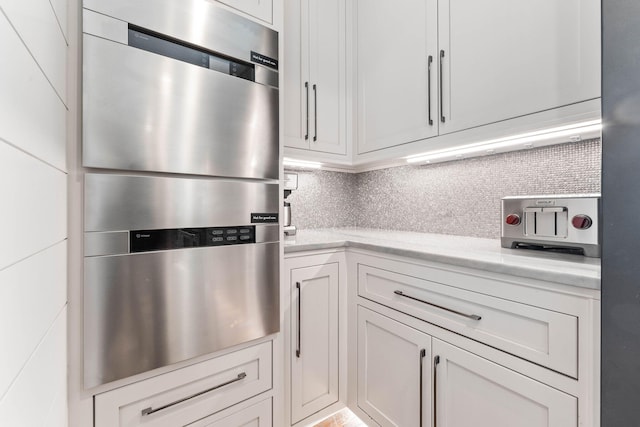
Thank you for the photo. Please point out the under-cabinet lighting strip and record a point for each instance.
(301, 163)
(526, 140)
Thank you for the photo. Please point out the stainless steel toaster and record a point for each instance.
(566, 223)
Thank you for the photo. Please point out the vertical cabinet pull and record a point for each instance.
(306, 86)
(436, 361)
(423, 353)
(442, 118)
(315, 112)
(298, 349)
(429, 62)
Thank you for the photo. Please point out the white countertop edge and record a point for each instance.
(559, 268)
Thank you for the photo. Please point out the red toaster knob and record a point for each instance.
(513, 219)
(581, 222)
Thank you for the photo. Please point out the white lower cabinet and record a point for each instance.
(394, 371)
(407, 378)
(434, 345)
(258, 415)
(439, 346)
(314, 339)
(543, 336)
(472, 391)
(187, 395)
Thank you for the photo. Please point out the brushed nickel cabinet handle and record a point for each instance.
(315, 112)
(442, 118)
(150, 410)
(298, 340)
(436, 362)
(306, 86)
(468, 316)
(429, 62)
(423, 353)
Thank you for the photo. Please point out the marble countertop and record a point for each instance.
(473, 252)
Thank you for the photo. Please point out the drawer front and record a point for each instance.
(118, 134)
(190, 394)
(545, 337)
(258, 415)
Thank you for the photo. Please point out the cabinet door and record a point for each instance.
(396, 48)
(504, 59)
(261, 9)
(472, 391)
(314, 336)
(394, 371)
(314, 64)
(295, 64)
(327, 76)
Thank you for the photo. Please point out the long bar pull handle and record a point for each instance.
(315, 112)
(298, 349)
(306, 86)
(429, 62)
(468, 316)
(436, 362)
(442, 118)
(423, 353)
(149, 411)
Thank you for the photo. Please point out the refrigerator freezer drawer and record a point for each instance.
(147, 112)
(148, 310)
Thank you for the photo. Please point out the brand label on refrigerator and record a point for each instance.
(264, 60)
(262, 218)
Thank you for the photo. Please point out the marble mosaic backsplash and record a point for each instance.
(324, 200)
(459, 198)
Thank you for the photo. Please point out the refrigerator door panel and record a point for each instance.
(147, 112)
(148, 310)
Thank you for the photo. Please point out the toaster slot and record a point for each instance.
(546, 222)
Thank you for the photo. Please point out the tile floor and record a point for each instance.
(344, 418)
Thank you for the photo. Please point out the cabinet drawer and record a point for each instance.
(258, 415)
(190, 394)
(542, 336)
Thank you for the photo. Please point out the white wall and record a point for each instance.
(33, 213)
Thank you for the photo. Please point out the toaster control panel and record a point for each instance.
(553, 223)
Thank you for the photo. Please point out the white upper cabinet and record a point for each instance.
(314, 83)
(429, 68)
(396, 43)
(505, 58)
(261, 9)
